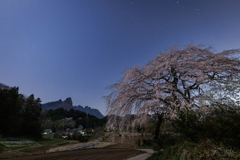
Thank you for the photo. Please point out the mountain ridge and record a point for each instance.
(89, 110)
(67, 105)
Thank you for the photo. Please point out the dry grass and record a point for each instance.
(206, 149)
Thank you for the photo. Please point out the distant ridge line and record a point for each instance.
(67, 105)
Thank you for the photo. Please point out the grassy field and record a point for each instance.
(118, 151)
(51, 141)
(39, 146)
(45, 136)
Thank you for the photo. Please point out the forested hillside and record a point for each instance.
(22, 116)
(79, 117)
(19, 115)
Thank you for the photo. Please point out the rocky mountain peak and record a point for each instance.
(86, 107)
(68, 104)
(68, 101)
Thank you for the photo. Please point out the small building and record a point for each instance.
(81, 132)
(47, 131)
(68, 119)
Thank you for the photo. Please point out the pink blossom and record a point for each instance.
(170, 82)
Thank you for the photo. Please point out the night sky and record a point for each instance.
(56, 49)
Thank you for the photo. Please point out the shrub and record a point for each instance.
(138, 142)
(146, 142)
(190, 150)
(82, 138)
(58, 134)
(187, 125)
(166, 140)
(98, 132)
(75, 135)
(69, 137)
(167, 127)
(223, 128)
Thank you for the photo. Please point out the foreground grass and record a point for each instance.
(13, 151)
(6, 146)
(2, 147)
(45, 136)
(197, 151)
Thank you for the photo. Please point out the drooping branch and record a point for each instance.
(171, 82)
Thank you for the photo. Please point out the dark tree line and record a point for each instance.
(80, 118)
(61, 113)
(19, 116)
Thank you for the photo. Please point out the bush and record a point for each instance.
(69, 137)
(98, 132)
(187, 125)
(224, 129)
(58, 134)
(89, 131)
(182, 151)
(167, 127)
(146, 142)
(138, 142)
(75, 135)
(166, 140)
(82, 138)
(189, 150)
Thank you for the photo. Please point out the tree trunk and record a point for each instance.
(157, 130)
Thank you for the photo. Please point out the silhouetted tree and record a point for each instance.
(9, 110)
(31, 113)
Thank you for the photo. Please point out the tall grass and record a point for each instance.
(213, 138)
(197, 151)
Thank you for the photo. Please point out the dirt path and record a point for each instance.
(143, 156)
(85, 154)
(63, 148)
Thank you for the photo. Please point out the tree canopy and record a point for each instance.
(9, 110)
(79, 117)
(171, 82)
(19, 116)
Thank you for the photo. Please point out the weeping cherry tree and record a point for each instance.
(171, 82)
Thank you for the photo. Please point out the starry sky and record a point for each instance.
(56, 49)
